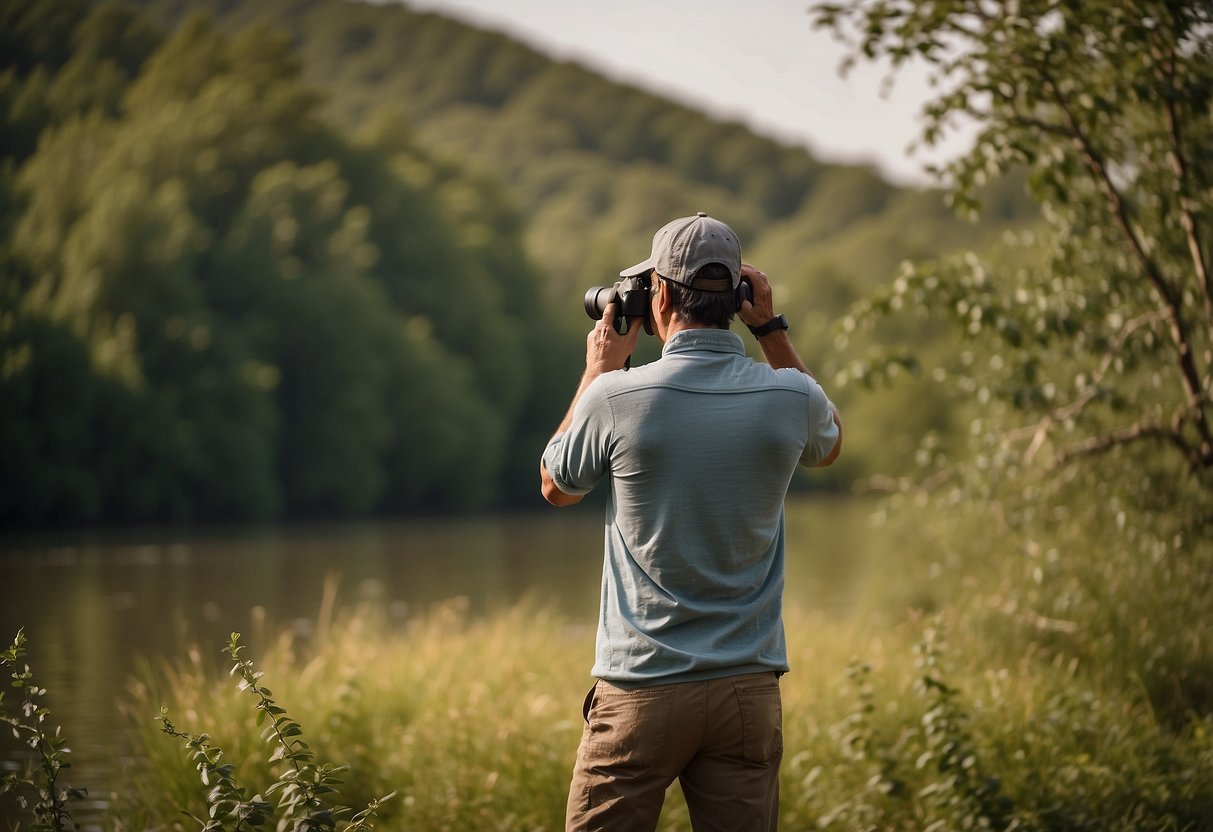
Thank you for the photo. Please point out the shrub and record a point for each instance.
(49, 758)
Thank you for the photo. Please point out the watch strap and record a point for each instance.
(778, 322)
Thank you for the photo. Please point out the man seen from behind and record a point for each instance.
(698, 449)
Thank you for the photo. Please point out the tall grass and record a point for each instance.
(469, 721)
(996, 674)
(915, 723)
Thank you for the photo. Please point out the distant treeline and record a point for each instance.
(310, 257)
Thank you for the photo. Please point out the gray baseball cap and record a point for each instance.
(682, 247)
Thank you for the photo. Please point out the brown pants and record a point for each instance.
(722, 739)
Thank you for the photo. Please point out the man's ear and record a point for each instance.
(663, 295)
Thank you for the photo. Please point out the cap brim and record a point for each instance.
(639, 268)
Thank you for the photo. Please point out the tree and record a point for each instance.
(1098, 332)
(215, 306)
(1084, 365)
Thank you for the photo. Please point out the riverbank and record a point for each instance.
(473, 724)
(958, 675)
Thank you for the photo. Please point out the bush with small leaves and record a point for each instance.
(305, 789)
(30, 725)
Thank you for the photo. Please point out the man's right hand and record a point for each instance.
(606, 349)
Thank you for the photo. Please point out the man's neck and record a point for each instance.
(678, 325)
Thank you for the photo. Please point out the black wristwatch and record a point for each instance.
(778, 322)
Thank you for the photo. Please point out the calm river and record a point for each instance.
(93, 603)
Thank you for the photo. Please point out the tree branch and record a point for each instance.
(1187, 218)
(899, 485)
(1123, 436)
(1039, 431)
(1173, 299)
(1020, 120)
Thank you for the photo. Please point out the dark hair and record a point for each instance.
(695, 306)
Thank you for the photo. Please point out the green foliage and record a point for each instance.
(1068, 541)
(962, 797)
(596, 167)
(49, 747)
(259, 300)
(1084, 360)
(927, 771)
(950, 789)
(307, 788)
(470, 722)
(1093, 335)
(271, 230)
(227, 800)
(973, 734)
(860, 741)
(474, 723)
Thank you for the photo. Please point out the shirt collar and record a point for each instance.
(710, 339)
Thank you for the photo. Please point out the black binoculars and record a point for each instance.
(631, 297)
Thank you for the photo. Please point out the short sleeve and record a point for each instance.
(580, 456)
(823, 431)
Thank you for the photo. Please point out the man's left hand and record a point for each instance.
(760, 308)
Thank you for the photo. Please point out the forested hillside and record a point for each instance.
(595, 167)
(217, 305)
(591, 163)
(315, 257)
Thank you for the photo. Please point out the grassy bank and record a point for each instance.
(957, 697)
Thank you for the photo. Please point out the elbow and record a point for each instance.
(558, 498)
(552, 493)
(836, 451)
(555, 496)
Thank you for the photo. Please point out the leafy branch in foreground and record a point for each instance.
(30, 727)
(305, 788)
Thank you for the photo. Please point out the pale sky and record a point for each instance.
(760, 62)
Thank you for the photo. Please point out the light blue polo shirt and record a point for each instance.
(699, 448)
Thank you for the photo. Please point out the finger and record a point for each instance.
(633, 333)
(750, 273)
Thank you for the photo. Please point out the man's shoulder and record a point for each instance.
(732, 374)
(749, 372)
(791, 377)
(617, 383)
